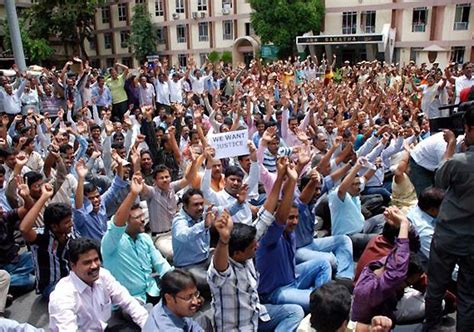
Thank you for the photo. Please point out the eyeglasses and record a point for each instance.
(190, 297)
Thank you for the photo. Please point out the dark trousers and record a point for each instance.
(440, 267)
(421, 177)
(119, 109)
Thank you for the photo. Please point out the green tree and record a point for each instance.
(280, 21)
(214, 56)
(142, 32)
(226, 57)
(35, 49)
(69, 21)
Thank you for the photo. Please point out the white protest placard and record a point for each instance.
(230, 144)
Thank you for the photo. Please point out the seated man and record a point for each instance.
(335, 249)
(285, 282)
(19, 266)
(50, 244)
(330, 308)
(382, 282)
(345, 208)
(233, 182)
(180, 301)
(423, 217)
(83, 300)
(90, 215)
(232, 274)
(129, 253)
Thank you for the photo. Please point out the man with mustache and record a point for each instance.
(83, 300)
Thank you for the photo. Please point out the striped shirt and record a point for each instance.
(269, 160)
(234, 291)
(50, 258)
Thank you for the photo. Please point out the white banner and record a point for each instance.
(230, 144)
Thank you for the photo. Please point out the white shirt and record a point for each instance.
(162, 92)
(75, 306)
(198, 83)
(461, 83)
(429, 152)
(224, 200)
(146, 94)
(12, 103)
(176, 91)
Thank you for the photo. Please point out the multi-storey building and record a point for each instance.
(184, 28)
(397, 31)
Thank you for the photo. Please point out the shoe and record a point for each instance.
(9, 300)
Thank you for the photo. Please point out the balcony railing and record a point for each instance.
(460, 25)
(369, 29)
(419, 27)
(349, 30)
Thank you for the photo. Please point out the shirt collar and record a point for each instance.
(80, 285)
(177, 321)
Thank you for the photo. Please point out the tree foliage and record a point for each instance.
(35, 49)
(226, 57)
(280, 21)
(142, 33)
(214, 56)
(69, 21)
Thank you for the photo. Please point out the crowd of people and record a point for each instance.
(347, 211)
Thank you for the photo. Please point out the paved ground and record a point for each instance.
(32, 309)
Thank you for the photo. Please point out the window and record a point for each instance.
(180, 6)
(202, 4)
(122, 12)
(182, 60)
(161, 35)
(159, 8)
(228, 30)
(458, 53)
(139, 2)
(349, 23)
(95, 63)
(124, 37)
(368, 21)
(420, 16)
(203, 31)
(226, 4)
(413, 52)
(105, 11)
(127, 62)
(107, 41)
(203, 57)
(181, 33)
(109, 62)
(249, 31)
(461, 18)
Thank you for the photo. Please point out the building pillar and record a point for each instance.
(15, 35)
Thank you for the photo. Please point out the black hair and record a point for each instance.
(80, 246)
(239, 158)
(431, 197)
(304, 181)
(159, 169)
(89, 187)
(190, 193)
(54, 213)
(117, 146)
(175, 281)
(2, 170)
(63, 148)
(330, 306)
(9, 151)
(32, 177)
(468, 117)
(414, 265)
(95, 126)
(234, 170)
(241, 237)
(390, 232)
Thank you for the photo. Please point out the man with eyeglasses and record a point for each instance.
(129, 253)
(180, 301)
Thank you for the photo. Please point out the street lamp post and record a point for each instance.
(15, 35)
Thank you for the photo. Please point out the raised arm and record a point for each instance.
(81, 171)
(26, 225)
(283, 210)
(224, 227)
(123, 212)
(347, 182)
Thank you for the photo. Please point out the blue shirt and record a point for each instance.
(132, 262)
(162, 319)
(94, 224)
(190, 239)
(276, 259)
(346, 215)
(104, 99)
(424, 225)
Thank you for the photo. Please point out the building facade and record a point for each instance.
(184, 28)
(423, 31)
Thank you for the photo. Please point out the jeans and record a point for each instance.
(421, 177)
(283, 318)
(309, 276)
(337, 250)
(21, 272)
(379, 190)
(440, 267)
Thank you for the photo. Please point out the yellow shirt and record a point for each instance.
(117, 89)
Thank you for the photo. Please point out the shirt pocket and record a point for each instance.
(105, 309)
